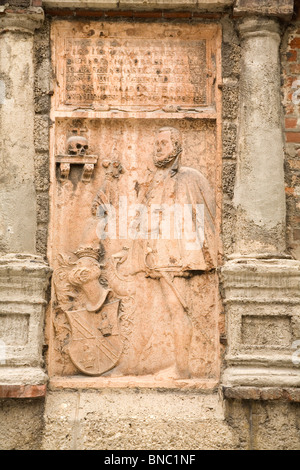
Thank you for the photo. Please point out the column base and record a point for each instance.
(288, 394)
(24, 279)
(262, 302)
(237, 376)
(22, 376)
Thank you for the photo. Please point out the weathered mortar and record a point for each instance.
(260, 425)
(21, 423)
(230, 72)
(42, 89)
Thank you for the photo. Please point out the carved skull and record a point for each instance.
(77, 145)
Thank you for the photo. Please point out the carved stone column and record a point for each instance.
(23, 275)
(259, 192)
(261, 284)
(17, 191)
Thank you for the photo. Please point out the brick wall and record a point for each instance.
(291, 102)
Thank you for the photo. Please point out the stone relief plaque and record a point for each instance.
(125, 65)
(134, 242)
(142, 73)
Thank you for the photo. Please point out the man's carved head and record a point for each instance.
(77, 145)
(168, 145)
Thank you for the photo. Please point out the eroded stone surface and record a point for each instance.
(282, 8)
(125, 419)
(21, 423)
(155, 420)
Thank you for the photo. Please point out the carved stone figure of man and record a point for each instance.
(173, 259)
(169, 259)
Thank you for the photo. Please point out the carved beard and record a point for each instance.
(165, 161)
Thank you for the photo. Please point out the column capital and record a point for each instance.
(21, 20)
(254, 26)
